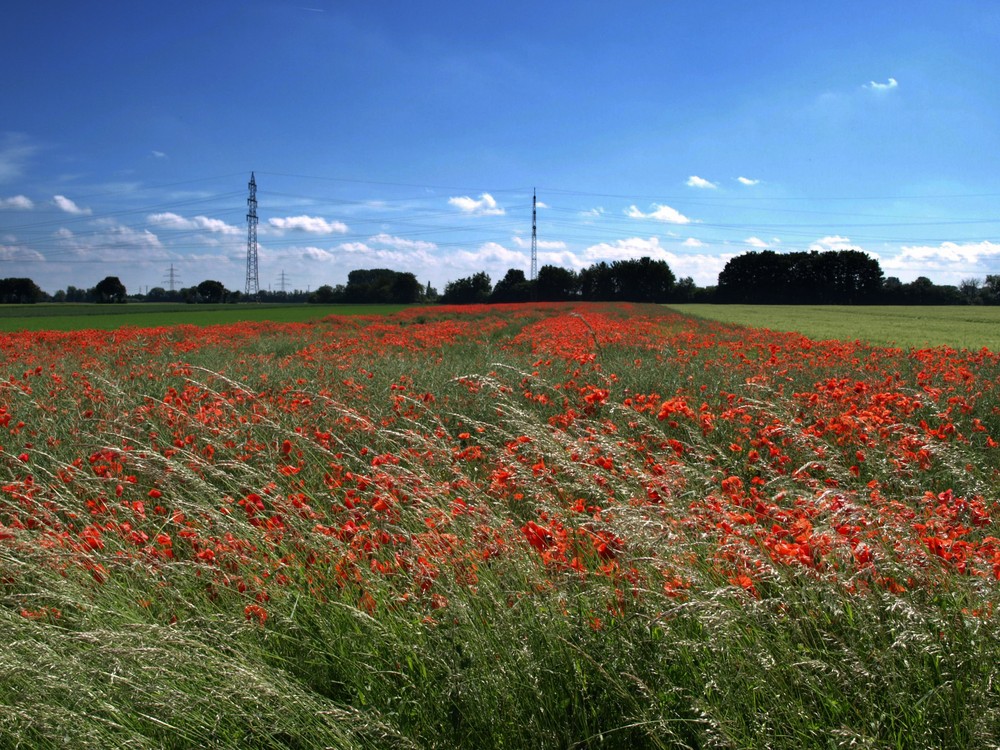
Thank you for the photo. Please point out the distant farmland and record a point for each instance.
(72, 317)
(961, 327)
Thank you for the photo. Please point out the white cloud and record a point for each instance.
(485, 206)
(692, 242)
(158, 154)
(401, 243)
(65, 204)
(833, 243)
(541, 204)
(109, 241)
(383, 250)
(947, 263)
(700, 182)
(310, 224)
(22, 202)
(756, 242)
(174, 221)
(704, 268)
(950, 252)
(19, 253)
(888, 85)
(633, 247)
(593, 213)
(318, 254)
(494, 252)
(542, 244)
(747, 181)
(354, 247)
(659, 213)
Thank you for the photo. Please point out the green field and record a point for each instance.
(71, 317)
(964, 327)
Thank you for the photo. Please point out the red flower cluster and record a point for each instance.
(385, 461)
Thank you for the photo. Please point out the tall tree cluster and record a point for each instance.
(843, 277)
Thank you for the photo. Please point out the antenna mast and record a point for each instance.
(534, 238)
(253, 284)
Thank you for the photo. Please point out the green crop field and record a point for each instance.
(72, 317)
(964, 327)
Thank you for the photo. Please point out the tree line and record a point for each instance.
(841, 277)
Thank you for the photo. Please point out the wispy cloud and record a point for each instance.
(65, 204)
(876, 86)
(20, 253)
(659, 212)
(756, 242)
(175, 221)
(310, 224)
(21, 202)
(158, 154)
(485, 206)
(700, 182)
(593, 213)
(693, 242)
(401, 243)
(111, 241)
(542, 244)
(15, 150)
(747, 181)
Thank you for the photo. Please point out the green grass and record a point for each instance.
(72, 317)
(959, 327)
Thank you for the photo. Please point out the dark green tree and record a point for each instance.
(469, 290)
(684, 291)
(556, 284)
(110, 289)
(755, 278)
(20, 291)
(513, 287)
(405, 289)
(211, 291)
(381, 286)
(597, 282)
(642, 280)
(991, 290)
(324, 295)
(841, 277)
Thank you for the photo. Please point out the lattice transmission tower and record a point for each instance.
(253, 282)
(171, 279)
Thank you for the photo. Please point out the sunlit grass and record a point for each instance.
(971, 327)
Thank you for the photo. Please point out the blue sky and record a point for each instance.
(410, 136)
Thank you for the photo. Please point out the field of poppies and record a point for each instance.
(589, 526)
